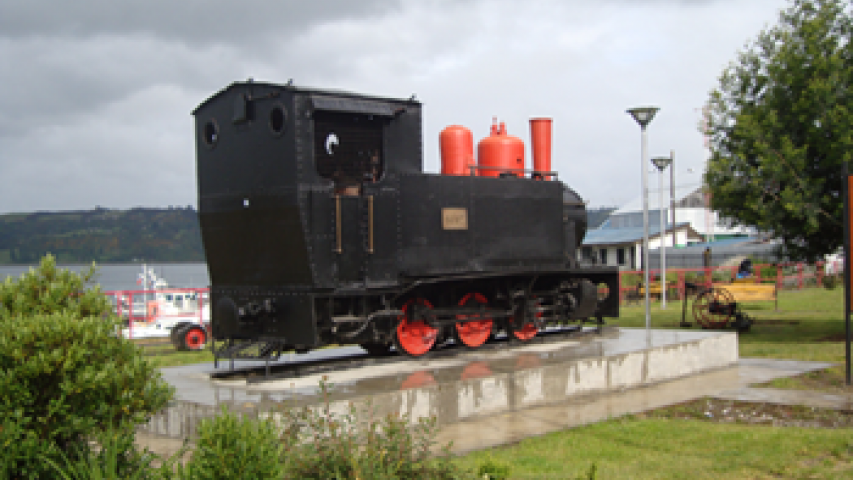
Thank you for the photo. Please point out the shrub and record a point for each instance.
(65, 376)
(491, 469)
(232, 447)
(320, 444)
(722, 275)
(312, 443)
(117, 457)
(768, 273)
(694, 277)
(631, 280)
(48, 289)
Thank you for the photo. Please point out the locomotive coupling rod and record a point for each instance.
(338, 241)
(372, 316)
(440, 317)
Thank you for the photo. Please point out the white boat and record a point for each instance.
(181, 314)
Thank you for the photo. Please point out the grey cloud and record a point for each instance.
(192, 21)
(95, 109)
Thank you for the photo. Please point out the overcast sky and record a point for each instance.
(96, 95)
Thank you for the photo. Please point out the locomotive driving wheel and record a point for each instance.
(474, 333)
(523, 326)
(714, 308)
(413, 336)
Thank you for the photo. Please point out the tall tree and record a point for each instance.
(781, 129)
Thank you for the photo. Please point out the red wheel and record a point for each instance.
(526, 332)
(521, 327)
(195, 338)
(414, 337)
(476, 332)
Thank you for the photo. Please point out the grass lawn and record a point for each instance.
(809, 325)
(632, 447)
(714, 439)
(162, 353)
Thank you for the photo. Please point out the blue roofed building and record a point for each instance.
(623, 246)
(619, 240)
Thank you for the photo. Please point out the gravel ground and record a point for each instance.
(730, 411)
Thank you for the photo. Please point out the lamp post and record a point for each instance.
(662, 163)
(672, 196)
(644, 116)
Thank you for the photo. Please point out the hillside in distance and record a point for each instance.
(102, 235)
(116, 236)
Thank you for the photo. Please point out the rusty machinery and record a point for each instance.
(713, 307)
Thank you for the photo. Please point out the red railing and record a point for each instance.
(785, 275)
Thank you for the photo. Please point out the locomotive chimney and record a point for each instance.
(540, 139)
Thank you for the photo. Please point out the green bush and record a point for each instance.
(116, 457)
(631, 280)
(65, 376)
(694, 277)
(311, 443)
(229, 446)
(48, 289)
(768, 273)
(320, 444)
(491, 469)
(722, 275)
(19, 450)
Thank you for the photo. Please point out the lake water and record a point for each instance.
(124, 276)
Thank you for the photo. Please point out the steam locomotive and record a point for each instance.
(320, 227)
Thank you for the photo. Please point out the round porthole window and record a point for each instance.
(278, 119)
(210, 133)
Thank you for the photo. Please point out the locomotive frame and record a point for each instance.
(320, 227)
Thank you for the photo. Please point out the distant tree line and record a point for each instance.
(102, 235)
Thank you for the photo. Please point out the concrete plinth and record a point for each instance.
(470, 385)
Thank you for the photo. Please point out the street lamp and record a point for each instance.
(662, 163)
(643, 116)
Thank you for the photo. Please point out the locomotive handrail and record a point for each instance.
(339, 241)
(474, 168)
(370, 224)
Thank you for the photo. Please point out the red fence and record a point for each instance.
(142, 308)
(787, 275)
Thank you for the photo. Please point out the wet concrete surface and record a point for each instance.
(487, 398)
(728, 383)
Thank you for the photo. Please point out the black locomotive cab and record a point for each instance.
(320, 226)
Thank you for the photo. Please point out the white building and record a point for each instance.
(691, 206)
(619, 240)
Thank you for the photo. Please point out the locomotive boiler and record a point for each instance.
(320, 227)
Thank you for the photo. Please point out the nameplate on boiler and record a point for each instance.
(454, 219)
